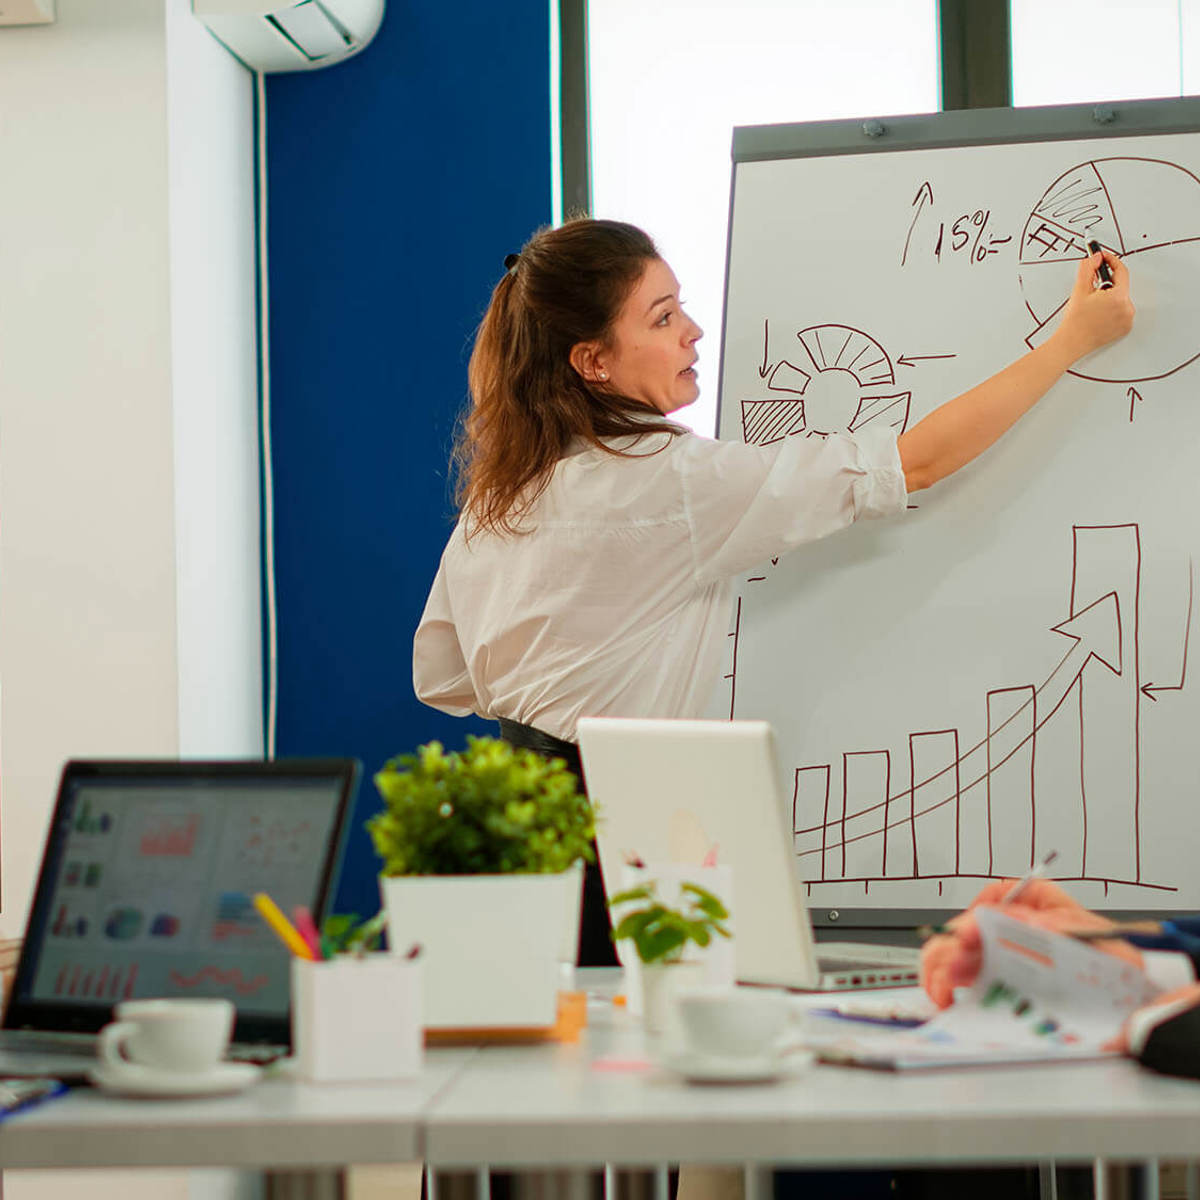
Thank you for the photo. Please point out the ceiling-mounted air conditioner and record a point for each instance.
(275, 35)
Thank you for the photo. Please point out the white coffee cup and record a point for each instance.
(175, 1037)
(736, 1022)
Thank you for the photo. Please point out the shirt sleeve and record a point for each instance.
(748, 503)
(440, 676)
(1166, 1038)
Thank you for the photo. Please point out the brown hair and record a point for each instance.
(527, 401)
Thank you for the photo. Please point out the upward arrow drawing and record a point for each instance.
(1096, 633)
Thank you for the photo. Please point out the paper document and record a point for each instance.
(1039, 997)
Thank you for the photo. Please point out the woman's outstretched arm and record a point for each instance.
(962, 428)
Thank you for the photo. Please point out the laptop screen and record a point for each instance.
(147, 881)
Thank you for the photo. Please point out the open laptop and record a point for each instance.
(145, 891)
(674, 791)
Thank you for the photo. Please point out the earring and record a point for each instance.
(603, 374)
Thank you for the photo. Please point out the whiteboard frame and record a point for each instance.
(929, 131)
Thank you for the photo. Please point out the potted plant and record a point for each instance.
(662, 934)
(482, 853)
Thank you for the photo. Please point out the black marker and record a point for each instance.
(1102, 270)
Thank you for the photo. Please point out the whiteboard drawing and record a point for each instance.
(1148, 211)
(844, 380)
(1003, 670)
(973, 811)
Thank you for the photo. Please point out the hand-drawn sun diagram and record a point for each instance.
(1143, 207)
(845, 382)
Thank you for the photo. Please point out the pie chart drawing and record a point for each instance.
(842, 380)
(1148, 211)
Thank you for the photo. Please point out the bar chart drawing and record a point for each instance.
(957, 804)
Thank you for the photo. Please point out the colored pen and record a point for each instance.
(281, 927)
(307, 929)
(1102, 270)
(1141, 928)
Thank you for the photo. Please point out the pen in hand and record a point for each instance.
(925, 932)
(1033, 873)
(1102, 271)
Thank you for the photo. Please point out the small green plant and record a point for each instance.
(659, 932)
(488, 810)
(344, 933)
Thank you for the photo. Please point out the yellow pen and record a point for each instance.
(283, 929)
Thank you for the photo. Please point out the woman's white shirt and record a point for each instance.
(614, 601)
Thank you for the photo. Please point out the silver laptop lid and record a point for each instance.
(672, 791)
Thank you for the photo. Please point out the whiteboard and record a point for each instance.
(1003, 669)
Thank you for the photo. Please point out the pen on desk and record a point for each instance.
(306, 927)
(1105, 275)
(281, 927)
(19, 1094)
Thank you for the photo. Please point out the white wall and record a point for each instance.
(128, 489)
(129, 516)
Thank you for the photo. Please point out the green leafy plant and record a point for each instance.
(659, 932)
(344, 933)
(487, 810)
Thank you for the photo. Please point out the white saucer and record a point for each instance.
(133, 1080)
(718, 1068)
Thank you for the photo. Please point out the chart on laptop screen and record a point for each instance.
(153, 886)
(1003, 669)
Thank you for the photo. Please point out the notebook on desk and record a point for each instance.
(145, 891)
(674, 791)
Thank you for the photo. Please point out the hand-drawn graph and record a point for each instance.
(1146, 210)
(945, 808)
(844, 379)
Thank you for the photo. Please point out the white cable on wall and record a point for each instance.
(268, 488)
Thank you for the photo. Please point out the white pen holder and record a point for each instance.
(717, 957)
(357, 1018)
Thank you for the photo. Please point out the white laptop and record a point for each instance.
(676, 791)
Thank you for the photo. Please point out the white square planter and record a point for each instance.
(491, 945)
(357, 1018)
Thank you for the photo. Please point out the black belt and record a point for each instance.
(527, 738)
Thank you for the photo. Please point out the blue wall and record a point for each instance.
(397, 183)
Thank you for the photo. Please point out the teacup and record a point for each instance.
(735, 1022)
(173, 1037)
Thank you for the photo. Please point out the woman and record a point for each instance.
(589, 572)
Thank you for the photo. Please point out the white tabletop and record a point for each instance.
(278, 1122)
(558, 1105)
(554, 1106)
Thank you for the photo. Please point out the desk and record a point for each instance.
(279, 1123)
(546, 1106)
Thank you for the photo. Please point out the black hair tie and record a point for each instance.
(510, 263)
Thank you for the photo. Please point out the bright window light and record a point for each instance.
(671, 79)
(1076, 51)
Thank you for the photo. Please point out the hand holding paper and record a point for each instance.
(952, 960)
(1039, 997)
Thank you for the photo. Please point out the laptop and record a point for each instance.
(679, 791)
(145, 890)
